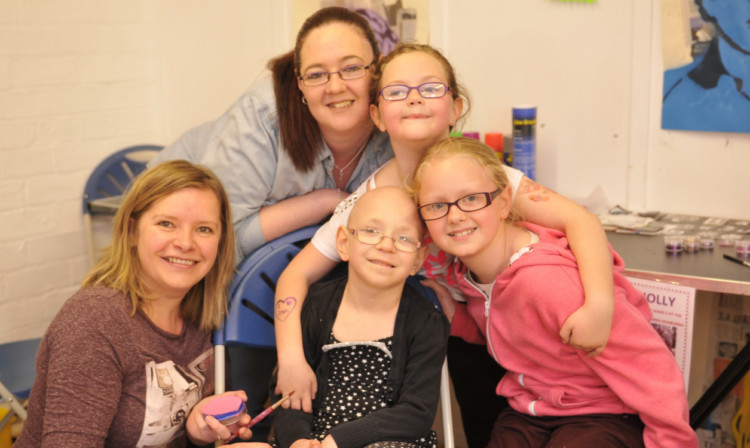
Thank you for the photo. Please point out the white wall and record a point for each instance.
(595, 73)
(82, 78)
(209, 54)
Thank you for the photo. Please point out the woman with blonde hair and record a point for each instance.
(129, 356)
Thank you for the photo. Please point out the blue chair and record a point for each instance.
(251, 298)
(251, 309)
(17, 373)
(109, 180)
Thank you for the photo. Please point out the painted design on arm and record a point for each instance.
(534, 191)
(284, 307)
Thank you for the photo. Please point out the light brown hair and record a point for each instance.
(205, 304)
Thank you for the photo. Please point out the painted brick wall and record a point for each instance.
(77, 82)
(80, 79)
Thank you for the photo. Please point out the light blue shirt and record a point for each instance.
(242, 147)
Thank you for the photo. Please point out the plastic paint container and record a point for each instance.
(743, 248)
(673, 244)
(226, 409)
(729, 239)
(690, 243)
(706, 243)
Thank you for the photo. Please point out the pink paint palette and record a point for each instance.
(227, 409)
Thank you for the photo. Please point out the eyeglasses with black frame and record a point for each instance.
(399, 92)
(346, 73)
(469, 203)
(372, 237)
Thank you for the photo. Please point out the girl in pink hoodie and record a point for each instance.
(521, 282)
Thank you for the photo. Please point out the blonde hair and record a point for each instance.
(466, 147)
(456, 89)
(205, 304)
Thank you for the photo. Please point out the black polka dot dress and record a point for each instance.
(357, 385)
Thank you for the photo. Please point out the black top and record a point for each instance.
(413, 384)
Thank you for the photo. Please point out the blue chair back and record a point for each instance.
(17, 374)
(251, 293)
(113, 175)
(18, 366)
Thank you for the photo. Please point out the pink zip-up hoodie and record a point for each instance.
(520, 322)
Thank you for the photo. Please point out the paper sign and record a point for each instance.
(672, 308)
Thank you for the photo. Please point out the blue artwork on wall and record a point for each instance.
(713, 92)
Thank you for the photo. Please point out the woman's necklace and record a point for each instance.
(342, 169)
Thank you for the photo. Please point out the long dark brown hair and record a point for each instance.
(300, 133)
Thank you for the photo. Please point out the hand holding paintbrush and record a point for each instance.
(262, 415)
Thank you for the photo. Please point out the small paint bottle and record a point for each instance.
(495, 141)
(690, 243)
(743, 248)
(673, 244)
(706, 243)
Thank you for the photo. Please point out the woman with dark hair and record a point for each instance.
(298, 140)
(289, 149)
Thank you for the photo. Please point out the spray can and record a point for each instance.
(524, 140)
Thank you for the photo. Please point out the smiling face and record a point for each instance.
(392, 212)
(339, 106)
(415, 119)
(463, 234)
(177, 241)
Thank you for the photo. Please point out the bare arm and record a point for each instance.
(295, 374)
(587, 328)
(299, 211)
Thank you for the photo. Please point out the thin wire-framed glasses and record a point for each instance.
(374, 236)
(469, 203)
(399, 92)
(346, 73)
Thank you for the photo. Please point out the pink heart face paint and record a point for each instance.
(284, 307)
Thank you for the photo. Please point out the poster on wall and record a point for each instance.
(706, 52)
(393, 21)
(672, 309)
